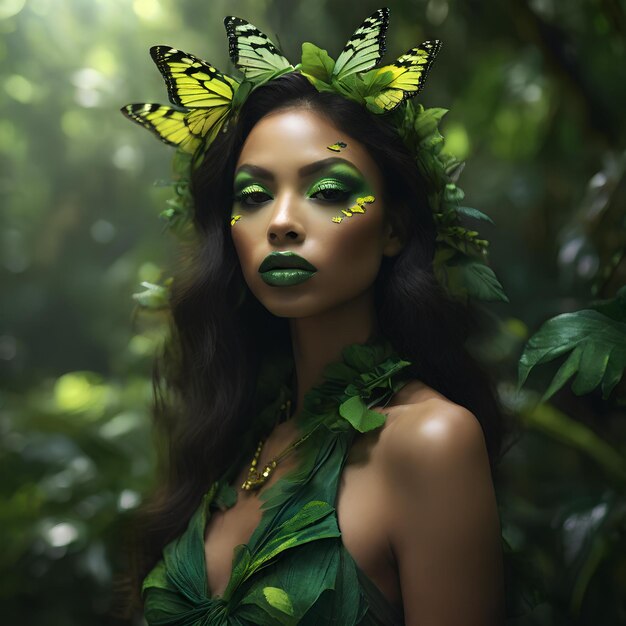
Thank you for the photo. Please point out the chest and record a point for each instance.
(362, 515)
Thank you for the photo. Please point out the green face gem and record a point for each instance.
(365, 200)
(357, 208)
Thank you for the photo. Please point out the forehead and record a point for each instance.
(286, 140)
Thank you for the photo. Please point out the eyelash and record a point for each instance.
(331, 185)
(248, 192)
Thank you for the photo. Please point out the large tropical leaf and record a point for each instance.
(597, 352)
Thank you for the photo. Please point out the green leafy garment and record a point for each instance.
(294, 569)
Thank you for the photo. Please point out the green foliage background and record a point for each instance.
(536, 92)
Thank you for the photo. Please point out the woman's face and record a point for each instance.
(293, 194)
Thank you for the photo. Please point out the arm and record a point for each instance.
(445, 532)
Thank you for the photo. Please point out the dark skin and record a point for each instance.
(416, 504)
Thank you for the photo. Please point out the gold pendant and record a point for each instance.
(256, 479)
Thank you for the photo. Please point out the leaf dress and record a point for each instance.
(295, 568)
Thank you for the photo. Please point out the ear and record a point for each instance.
(392, 244)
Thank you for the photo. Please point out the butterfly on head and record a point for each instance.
(253, 52)
(354, 73)
(392, 84)
(203, 97)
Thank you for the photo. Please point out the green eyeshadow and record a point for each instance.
(341, 177)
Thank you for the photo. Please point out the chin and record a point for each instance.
(293, 305)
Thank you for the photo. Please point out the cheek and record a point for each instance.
(355, 246)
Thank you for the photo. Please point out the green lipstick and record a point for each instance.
(286, 277)
(285, 268)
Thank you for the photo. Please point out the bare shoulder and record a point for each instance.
(425, 431)
(443, 524)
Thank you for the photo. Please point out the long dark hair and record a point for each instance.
(219, 331)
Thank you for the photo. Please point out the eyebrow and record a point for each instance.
(306, 170)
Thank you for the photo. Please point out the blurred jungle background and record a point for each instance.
(536, 91)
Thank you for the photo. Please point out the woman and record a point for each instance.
(329, 438)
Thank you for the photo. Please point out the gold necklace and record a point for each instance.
(257, 478)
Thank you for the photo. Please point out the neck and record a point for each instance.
(319, 339)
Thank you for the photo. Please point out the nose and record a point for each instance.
(285, 222)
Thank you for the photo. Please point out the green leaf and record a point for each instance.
(241, 569)
(564, 373)
(598, 351)
(313, 521)
(474, 213)
(476, 279)
(612, 376)
(310, 513)
(381, 375)
(306, 574)
(453, 194)
(352, 390)
(241, 94)
(351, 86)
(427, 122)
(154, 297)
(278, 599)
(360, 417)
(157, 577)
(431, 146)
(181, 163)
(376, 81)
(316, 62)
(371, 106)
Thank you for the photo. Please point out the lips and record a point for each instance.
(285, 260)
(285, 269)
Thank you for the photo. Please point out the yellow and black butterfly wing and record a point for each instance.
(204, 94)
(402, 79)
(253, 52)
(366, 46)
(205, 124)
(168, 124)
(191, 82)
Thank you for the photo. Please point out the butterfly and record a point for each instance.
(337, 146)
(253, 52)
(388, 86)
(362, 52)
(202, 95)
(365, 48)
